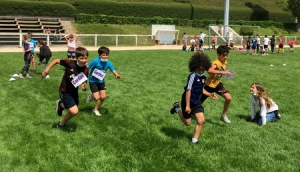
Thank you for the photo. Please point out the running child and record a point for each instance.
(99, 66)
(190, 99)
(213, 83)
(75, 74)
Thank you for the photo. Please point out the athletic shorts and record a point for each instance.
(95, 87)
(69, 99)
(248, 47)
(265, 46)
(253, 47)
(71, 54)
(280, 45)
(220, 89)
(291, 46)
(194, 109)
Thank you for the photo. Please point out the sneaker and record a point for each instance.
(47, 76)
(59, 109)
(225, 119)
(89, 98)
(96, 112)
(173, 108)
(28, 76)
(58, 125)
(21, 76)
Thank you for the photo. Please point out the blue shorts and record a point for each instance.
(69, 99)
(71, 54)
(253, 47)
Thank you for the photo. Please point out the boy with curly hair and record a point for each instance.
(190, 100)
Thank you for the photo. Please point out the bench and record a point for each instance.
(7, 21)
(49, 19)
(27, 19)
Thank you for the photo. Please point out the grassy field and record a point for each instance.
(136, 132)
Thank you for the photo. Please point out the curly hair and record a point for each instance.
(199, 59)
(262, 94)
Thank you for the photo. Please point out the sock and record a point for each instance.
(177, 109)
(194, 140)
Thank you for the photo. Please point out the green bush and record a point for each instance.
(244, 31)
(41, 8)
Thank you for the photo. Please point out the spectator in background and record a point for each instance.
(201, 39)
(257, 43)
(57, 35)
(273, 40)
(291, 44)
(48, 32)
(184, 41)
(71, 43)
(213, 41)
(281, 43)
(266, 44)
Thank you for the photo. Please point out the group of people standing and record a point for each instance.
(199, 87)
(253, 43)
(196, 45)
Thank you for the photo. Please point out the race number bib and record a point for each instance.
(79, 79)
(98, 74)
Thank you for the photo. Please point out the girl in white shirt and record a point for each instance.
(267, 108)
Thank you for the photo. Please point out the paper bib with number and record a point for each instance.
(98, 74)
(79, 79)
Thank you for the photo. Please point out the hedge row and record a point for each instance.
(105, 19)
(144, 13)
(181, 11)
(40, 8)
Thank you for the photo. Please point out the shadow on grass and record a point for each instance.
(214, 122)
(247, 118)
(70, 127)
(175, 133)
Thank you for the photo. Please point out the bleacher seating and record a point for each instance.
(24, 25)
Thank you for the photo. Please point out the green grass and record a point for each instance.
(136, 132)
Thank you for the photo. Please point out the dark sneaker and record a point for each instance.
(173, 108)
(58, 125)
(59, 109)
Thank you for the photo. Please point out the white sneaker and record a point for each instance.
(225, 119)
(89, 98)
(96, 112)
(47, 76)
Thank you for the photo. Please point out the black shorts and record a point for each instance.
(265, 46)
(194, 109)
(280, 46)
(95, 87)
(220, 89)
(248, 47)
(69, 99)
(291, 46)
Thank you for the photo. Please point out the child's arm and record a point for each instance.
(211, 95)
(116, 74)
(212, 70)
(53, 63)
(187, 101)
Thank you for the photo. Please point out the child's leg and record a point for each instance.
(198, 126)
(227, 98)
(33, 62)
(186, 122)
(70, 113)
(100, 97)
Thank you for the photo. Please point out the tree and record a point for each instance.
(294, 6)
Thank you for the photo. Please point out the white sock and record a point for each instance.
(194, 140)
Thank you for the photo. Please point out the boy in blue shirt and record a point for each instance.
(98, 68)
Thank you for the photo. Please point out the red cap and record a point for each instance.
(71, 35)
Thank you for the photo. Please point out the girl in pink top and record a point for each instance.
(71, 43)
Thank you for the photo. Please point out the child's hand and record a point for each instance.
(188, 109)
(227, 72)
(44, 74)
(83, 87)
(213, 96)
(118, 76)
